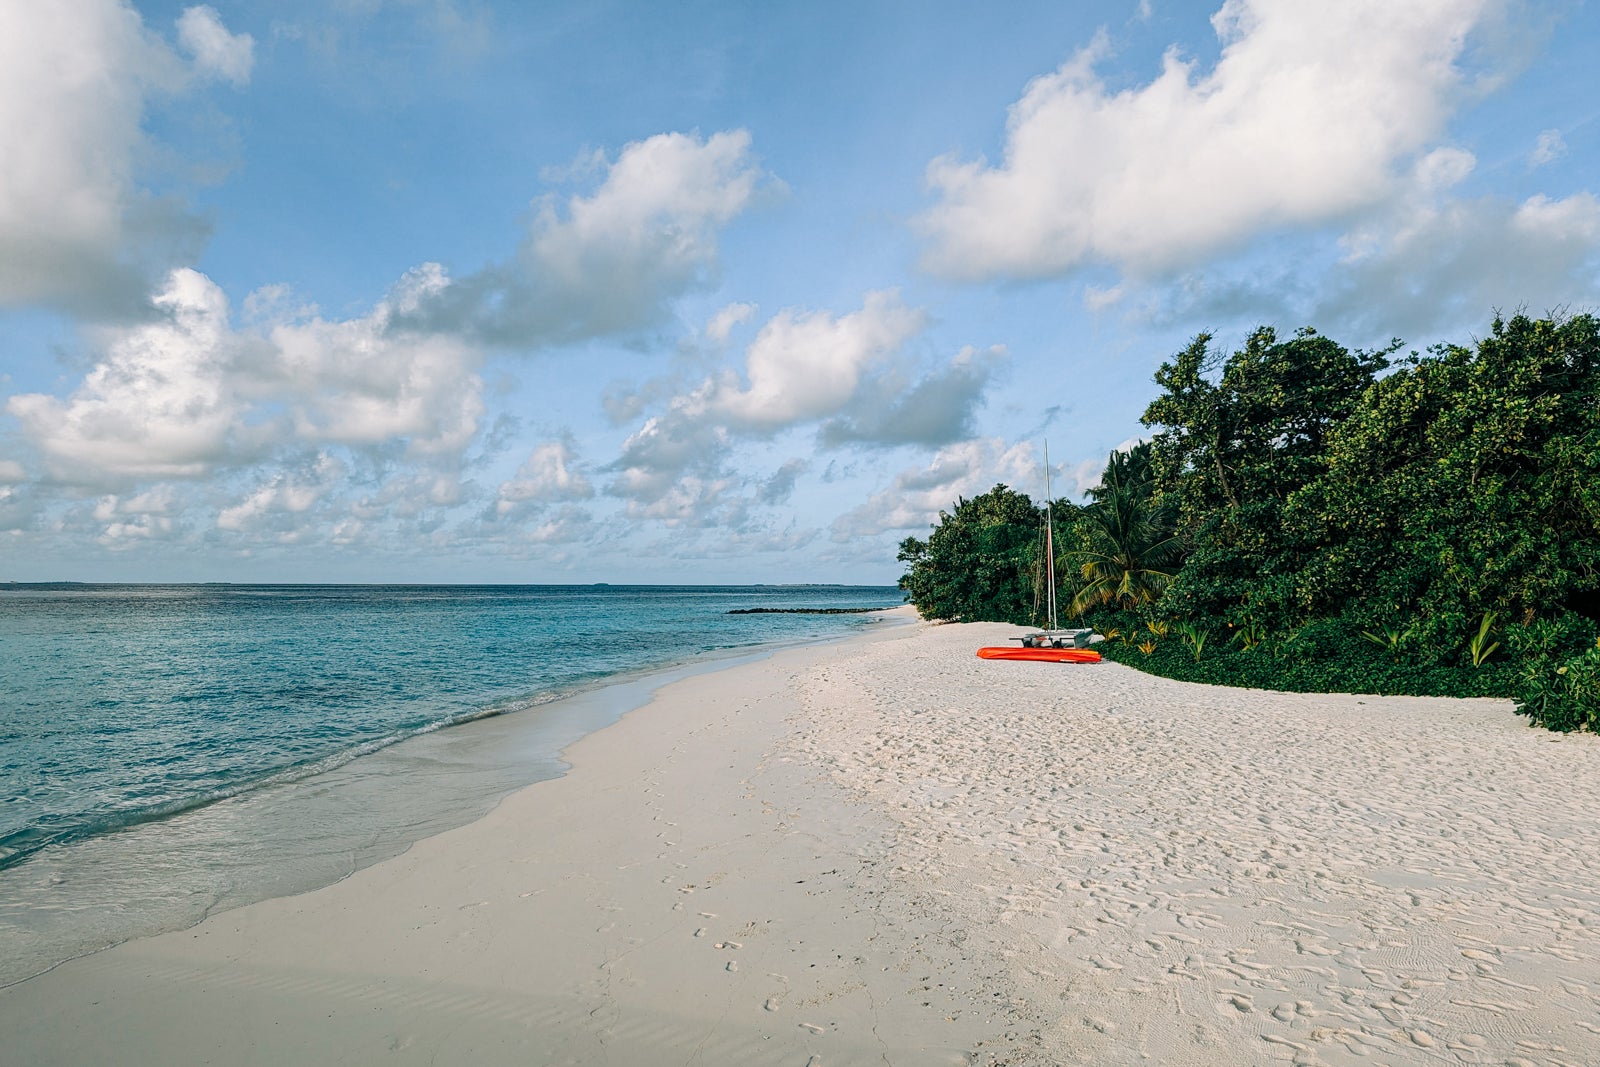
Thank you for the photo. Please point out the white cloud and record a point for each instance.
(1096, 298)
(148, 516)
(801, 367)
(160, 404)
(568, 525)
(550, 473)
(367, 381)
(180, 396)
(1312, 112)
(1432, 270)
(694, 502)
(1550, 147)
(188, 394)
(891, 409)
(805, 366)
(847, 375)
(612, 261)
(723, 322)
(917, 495)
(285, 495)
(216, 51)
(76, 229)
(12, 472)
(664, 448)
(73, 80)
(1450, 264)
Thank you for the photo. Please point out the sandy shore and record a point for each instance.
(888, 851)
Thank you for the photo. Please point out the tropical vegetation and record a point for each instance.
(1304, 516)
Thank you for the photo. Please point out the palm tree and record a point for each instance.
(1131, 543)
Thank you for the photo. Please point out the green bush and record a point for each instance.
(1562, 695)
(1559, 664)
(1560, 638)
(1322, 658)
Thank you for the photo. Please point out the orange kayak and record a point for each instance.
(1045, 655)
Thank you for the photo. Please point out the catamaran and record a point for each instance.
(1052, 644)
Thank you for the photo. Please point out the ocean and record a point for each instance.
(167, 751)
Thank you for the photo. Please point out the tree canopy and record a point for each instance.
(1296, 487)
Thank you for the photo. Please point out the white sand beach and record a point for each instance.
(888, 851)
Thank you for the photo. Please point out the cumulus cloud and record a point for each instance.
(565, 526)
(935, 410)
(801, 367)
(76, 229)
(1433, 269)
(849, 376)
(161, 404)
(665, 449)
(917, 495)
(804, 366)
(695, 502)
(150, 516)
(216, 52)
(1449, 265)
(1312, 112)
(550, 473)
(371, 380)
(612, 261)
(276, 504)
(183, 395)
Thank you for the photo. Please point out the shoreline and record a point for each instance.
(601, 876)
(533, 732)
(885, 850)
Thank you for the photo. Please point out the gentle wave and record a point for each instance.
(18, 846)
(131, 705)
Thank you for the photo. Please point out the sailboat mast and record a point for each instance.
(1049, 543)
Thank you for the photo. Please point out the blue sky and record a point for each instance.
(437, 290)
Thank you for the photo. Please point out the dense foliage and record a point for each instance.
(980, 563)
(1308, 517)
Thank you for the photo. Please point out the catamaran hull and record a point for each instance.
(1042, 655)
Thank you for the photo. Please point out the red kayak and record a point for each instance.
(1044, 655)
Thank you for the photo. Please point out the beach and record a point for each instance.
(884, 850)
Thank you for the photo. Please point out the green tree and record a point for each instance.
(1468, 481)
(1128, 548)
(1229, 453)
(978, 563)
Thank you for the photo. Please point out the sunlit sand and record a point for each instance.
(887, 850)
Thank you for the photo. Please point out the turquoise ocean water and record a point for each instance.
(166, 751)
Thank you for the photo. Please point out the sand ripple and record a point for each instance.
(1188, 874)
